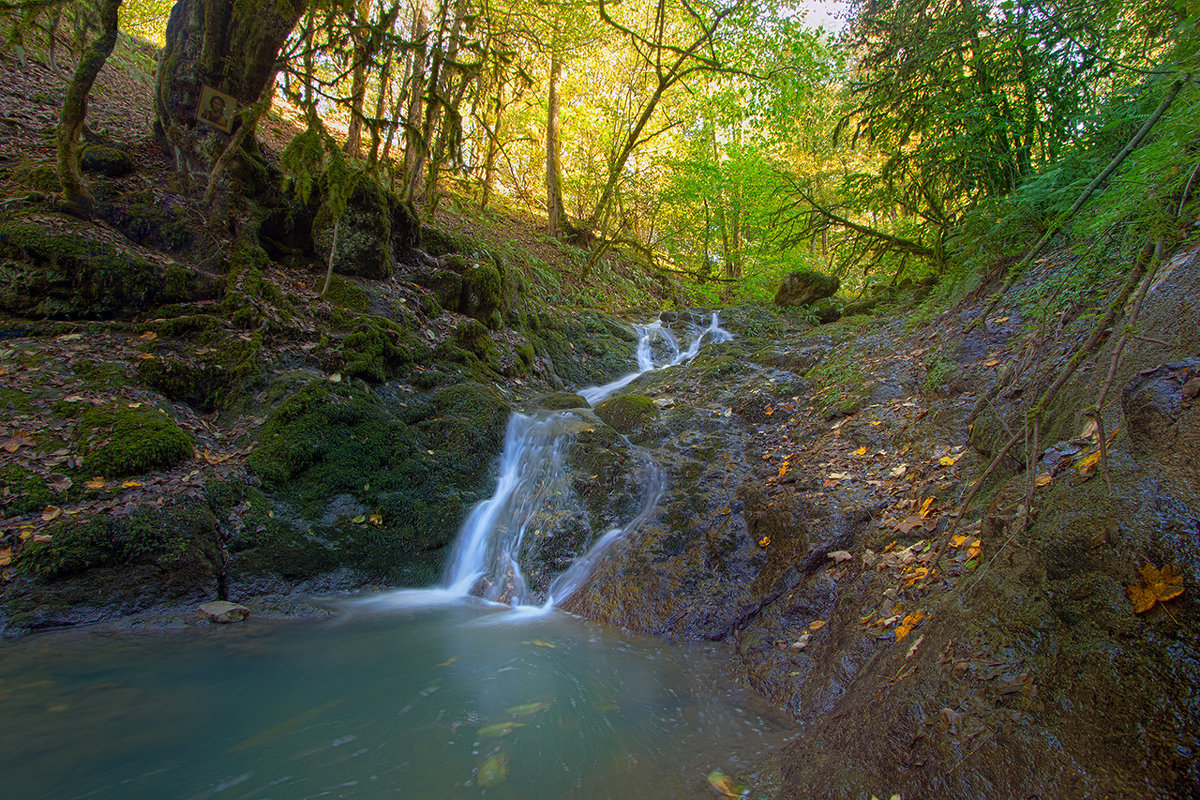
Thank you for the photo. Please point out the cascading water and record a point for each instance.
(535, 495)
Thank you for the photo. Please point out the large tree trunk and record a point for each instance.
(74, 109)
(231, 45)
(554, 203)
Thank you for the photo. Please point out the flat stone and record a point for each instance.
(222, 611)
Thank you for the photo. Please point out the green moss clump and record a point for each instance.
(561, 401)
(109, 161)
(182, 531)
(481, 291)
(122, 441)
(40, 176)
(203, 386)
(98, 376)
(24, 492)
(347, 294)
(378, 349)
(627, 412)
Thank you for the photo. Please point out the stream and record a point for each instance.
(478, 687)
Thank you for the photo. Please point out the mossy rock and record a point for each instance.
(153, 220)
(627, 413)
(204, 386)
(184, 531)
(805, 287)
(122, 440)
(110, 161)
(65, 274)
(378, 349)
(364, 232)
(481, 297)
(584, 348)
(561, 401)
(347, 294)
(827, 310)
(41, 176)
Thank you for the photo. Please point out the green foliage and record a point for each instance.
(25, 491)
(131, 439)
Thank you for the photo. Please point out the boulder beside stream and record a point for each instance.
(222, 612)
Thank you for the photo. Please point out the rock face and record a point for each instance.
(222, 612)
(805, 287)
(364, 233)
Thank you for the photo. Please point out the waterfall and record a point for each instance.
(534, 490)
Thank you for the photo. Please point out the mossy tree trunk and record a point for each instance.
(231, 45)
(74, 109)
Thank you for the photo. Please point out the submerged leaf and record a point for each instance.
(525, 709)
(499, 729)
(724, 784)
(493, 771)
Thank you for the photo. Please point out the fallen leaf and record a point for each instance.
(949, 719)
(147, 356)
(498, 730)
(724, 784)
(958, 541)
(359, 520)
(910, 622)
(912, 651)
(783, 468)
(896, 472)
(764, 541)
(1160, 586)
(862, 451)
(50, 513)
(492, 771)
(525, 709)
(1089, 430)
(5, 556)
(59, 483)
(925, 507)
(95, 483)
(131, 485)
(998, 320)
(448, 661)
(1086, 463)
(376, 519)
(149, 336)
(335, 377)
(947, 461)
(1043, 480)
(993, 362)
(18, 440)
(539, 643)
(839, 556)
(816, 625)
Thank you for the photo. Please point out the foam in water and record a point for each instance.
(534, 485)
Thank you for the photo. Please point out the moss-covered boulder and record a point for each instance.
(23, 491)
(585, 347)
(627, 413)
(350, 481)
(805, 287)
(51, 268)
(103, 160)
(364, 232)
(131, 439)
(561, 401)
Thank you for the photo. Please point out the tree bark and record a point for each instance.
(358, 77)
(74, 110)
(230, 45)
(554, 203)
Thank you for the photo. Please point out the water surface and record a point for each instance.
(378, 701)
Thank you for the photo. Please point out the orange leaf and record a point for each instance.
(764, 541)
(816, 625)
(1161, 586)
(783, 469)
(924, 512)
(910, 622)
(131, 485)
(862, 451)
(95, 483)
(1085, 464)
(5, 556)
(957, 541)
(1043, 479)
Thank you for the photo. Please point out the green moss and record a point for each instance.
(14, 401)
(347, 294)
(627, 412)
(839, 383)
(379, 348)
(204, 386)
(40, 176)
(182, 531)
(121, 440)
(561, 401)
(99, 376)
(23, 492)
(939, 369)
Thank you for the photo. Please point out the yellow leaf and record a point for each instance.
(764, 541)
(493, 771)
(947, 461)
(862, 451)
(149, 336)
(926, 506)
(448, 661)
(910, 622)
(992, 362)
(816, 625)
(957, 541)
(131, 485)
(783, 469)
(499, 729)
(539, 643)
(1085, 464)
(5, 556)
(50, 513)
(1044, 479)
(998, 320)
(376, 519)
(147, 356)
(95, 483)
(1160, 586)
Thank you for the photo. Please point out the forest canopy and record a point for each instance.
(725, 142)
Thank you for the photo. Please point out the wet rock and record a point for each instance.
(364, 232)
(1163, 416)
(222, 612)
(109, 161)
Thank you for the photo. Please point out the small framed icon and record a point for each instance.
(216, 108)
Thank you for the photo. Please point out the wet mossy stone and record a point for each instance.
(364, 232)
(378, 349)
(131, 439)
(183, 531)
(62, 273)
(561, 401)
(40, 176)
(203, 386)
(481, 295)
(827, 310)
(627, 413)
(150, 219)
(110, 161)
(24, 492)
(805, 287)
(446, 285)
